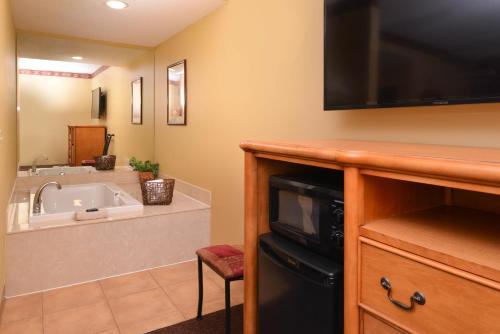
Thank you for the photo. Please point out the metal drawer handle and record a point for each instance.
(416, 298)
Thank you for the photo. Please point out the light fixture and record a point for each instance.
(116, 4)
(77, 58)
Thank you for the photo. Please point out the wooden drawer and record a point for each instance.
(453, 304)
(372, 325)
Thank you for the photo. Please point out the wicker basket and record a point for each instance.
(105, 162)
(157, 192)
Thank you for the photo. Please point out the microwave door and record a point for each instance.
(299, 212)
(298, 216)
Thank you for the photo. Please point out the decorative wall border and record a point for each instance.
(65, 74)
(99, 70)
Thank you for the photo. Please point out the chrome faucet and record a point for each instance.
(37, 202)
(35, 161)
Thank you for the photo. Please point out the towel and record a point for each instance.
(90, 214)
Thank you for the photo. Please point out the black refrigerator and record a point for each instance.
(299, 291)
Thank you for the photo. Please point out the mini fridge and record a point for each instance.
(299, 291)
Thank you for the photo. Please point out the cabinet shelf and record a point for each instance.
(467, 239)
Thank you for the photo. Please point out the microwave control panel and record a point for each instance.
(337, 224)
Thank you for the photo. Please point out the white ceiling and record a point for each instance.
(144, 22)
(56, 66)
(56, 48)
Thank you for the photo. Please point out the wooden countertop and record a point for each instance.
(455, 162)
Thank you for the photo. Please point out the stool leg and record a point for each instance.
(228, 307)
(200, 287)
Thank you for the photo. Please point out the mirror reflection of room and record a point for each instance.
(177, 93)
(72, 93)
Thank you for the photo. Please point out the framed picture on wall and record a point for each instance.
(137, 101)
(176, 93)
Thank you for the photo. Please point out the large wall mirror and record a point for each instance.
(67, 84)
(176, 109)
(137, 101)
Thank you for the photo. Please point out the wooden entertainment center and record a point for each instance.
(418, 219)
(85, 142)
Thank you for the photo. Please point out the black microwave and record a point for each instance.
(309, 210)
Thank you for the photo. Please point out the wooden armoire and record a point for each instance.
(85, 142)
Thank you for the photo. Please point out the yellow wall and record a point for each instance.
(48, 105)
(130, 139)
(255, 70)
(8, 137)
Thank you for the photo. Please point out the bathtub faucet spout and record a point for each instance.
(35, 162)
(37, 202)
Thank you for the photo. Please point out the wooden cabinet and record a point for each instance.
(373, 325)
(424, 217)
(453, 304)
(84, 143)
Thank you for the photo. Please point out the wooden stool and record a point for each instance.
(227, 262)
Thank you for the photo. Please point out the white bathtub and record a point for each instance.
(63, 170)
(61, 205)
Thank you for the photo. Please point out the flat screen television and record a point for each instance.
(388, 53)
(98, 104)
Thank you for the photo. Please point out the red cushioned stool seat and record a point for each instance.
(227, 262)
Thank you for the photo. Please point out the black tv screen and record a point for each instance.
(387, 53)
(97, 104)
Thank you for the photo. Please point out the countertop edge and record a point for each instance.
(441, 161)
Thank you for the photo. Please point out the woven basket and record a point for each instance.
(105, 162)
(157, 192)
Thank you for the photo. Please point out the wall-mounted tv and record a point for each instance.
(98, 104)
(387, 53)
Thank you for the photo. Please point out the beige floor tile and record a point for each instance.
(185, 294)
(25, 326)
(24, 307)
(176, 273)
(147, 325)
(113, 331)
(237, 291)
(214, 277)
(144, 310)
(94, 318)
(208, 307)
(125, 285)
(71, 297)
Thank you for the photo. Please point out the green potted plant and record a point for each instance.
(147, 170)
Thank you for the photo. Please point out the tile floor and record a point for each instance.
(130, 304)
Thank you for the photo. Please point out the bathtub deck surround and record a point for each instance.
(61, 170)
(82, 251)
(133, 303)
(121, 174)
